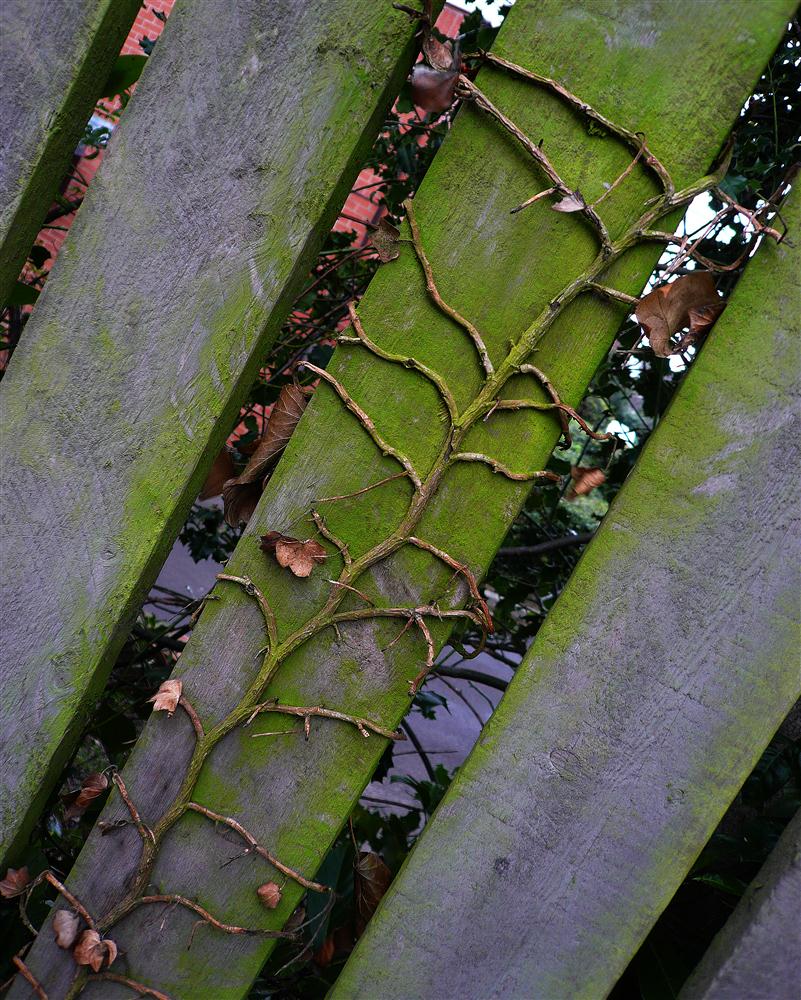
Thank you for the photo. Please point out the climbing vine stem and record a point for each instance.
(488, 400)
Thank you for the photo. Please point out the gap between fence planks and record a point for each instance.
(229, 167)
(499, 271)
(54, 60)
(658, 678)
(757, 953)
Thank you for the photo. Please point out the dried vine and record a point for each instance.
(486, 402)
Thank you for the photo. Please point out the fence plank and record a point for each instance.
(54, 59)
(230, 165)
(661, 673)
(294, 795)
(758, 951)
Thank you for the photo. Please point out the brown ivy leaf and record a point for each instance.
(433, 89)
(269, 894)
(240, 495)
(371, 880)
(221, 471)
(78, 802)
(93, 951)
(65, 928)
(292, 553)
(573, 202)
(322, 957)
(14, 883)
(167, 697)
(384, 240)
(585, 479)
(439, 55)
(690, 301)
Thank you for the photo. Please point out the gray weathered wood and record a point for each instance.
(230, 164)
(664, 668)
(757, 954)
(54, 60)
(499, 270)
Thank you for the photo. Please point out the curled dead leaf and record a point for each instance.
(298, 556)
(573, 202)
(433, 89)
(270, 894)
(221, 471)
(690, 302)
(94, 951)
(322, 957)
(78, 802)
(384, 240)
(439, 55)
(241, 494)
(65, 928)
(585, 479)
(371, 878)
(14, 882)
(167, 697)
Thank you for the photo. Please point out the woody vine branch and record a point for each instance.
(487, 403)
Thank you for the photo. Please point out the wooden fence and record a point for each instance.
(173, 282)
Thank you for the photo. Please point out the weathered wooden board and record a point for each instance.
(758, 951)
(54, 60)
(499, 270)
(661, 673)
(231, 163)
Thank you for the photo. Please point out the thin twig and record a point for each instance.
(144, 831)
(433, 291)
(414, 685)
(74, 902)
(324, 530)
(194, 718)
(408, 362)
(353, 590)
(257, 847)
(612, 293)
(364, 489)
(534, 198)
(305, 712)
(132, 984)
(620, 178)
(568, 411)
(252, 590)
(365, 421)
(206, 917)
(634, 140)
(589, 213)
(26, 973)
(521, 477)
(459, 567)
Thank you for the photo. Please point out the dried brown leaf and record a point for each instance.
(270, 894)
(292, 553)
(167, 697)
(78, 802)
(14, 883)
(65, 928)
(322, 957)
(241, 494)
(573, 202)
(585, 479)
(439, 55)
(384, 239)
(221, 471)
(689, 302)
(94, 951)
(371, 880)
(433, 89)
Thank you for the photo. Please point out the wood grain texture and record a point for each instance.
(230, 164)
(663, 670)
(499, 270)
(757, 954)
(54, 60)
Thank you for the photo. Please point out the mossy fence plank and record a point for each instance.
(758, 951)
(663, 670)
(54, 60)
(500, 271)
(232, 160)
